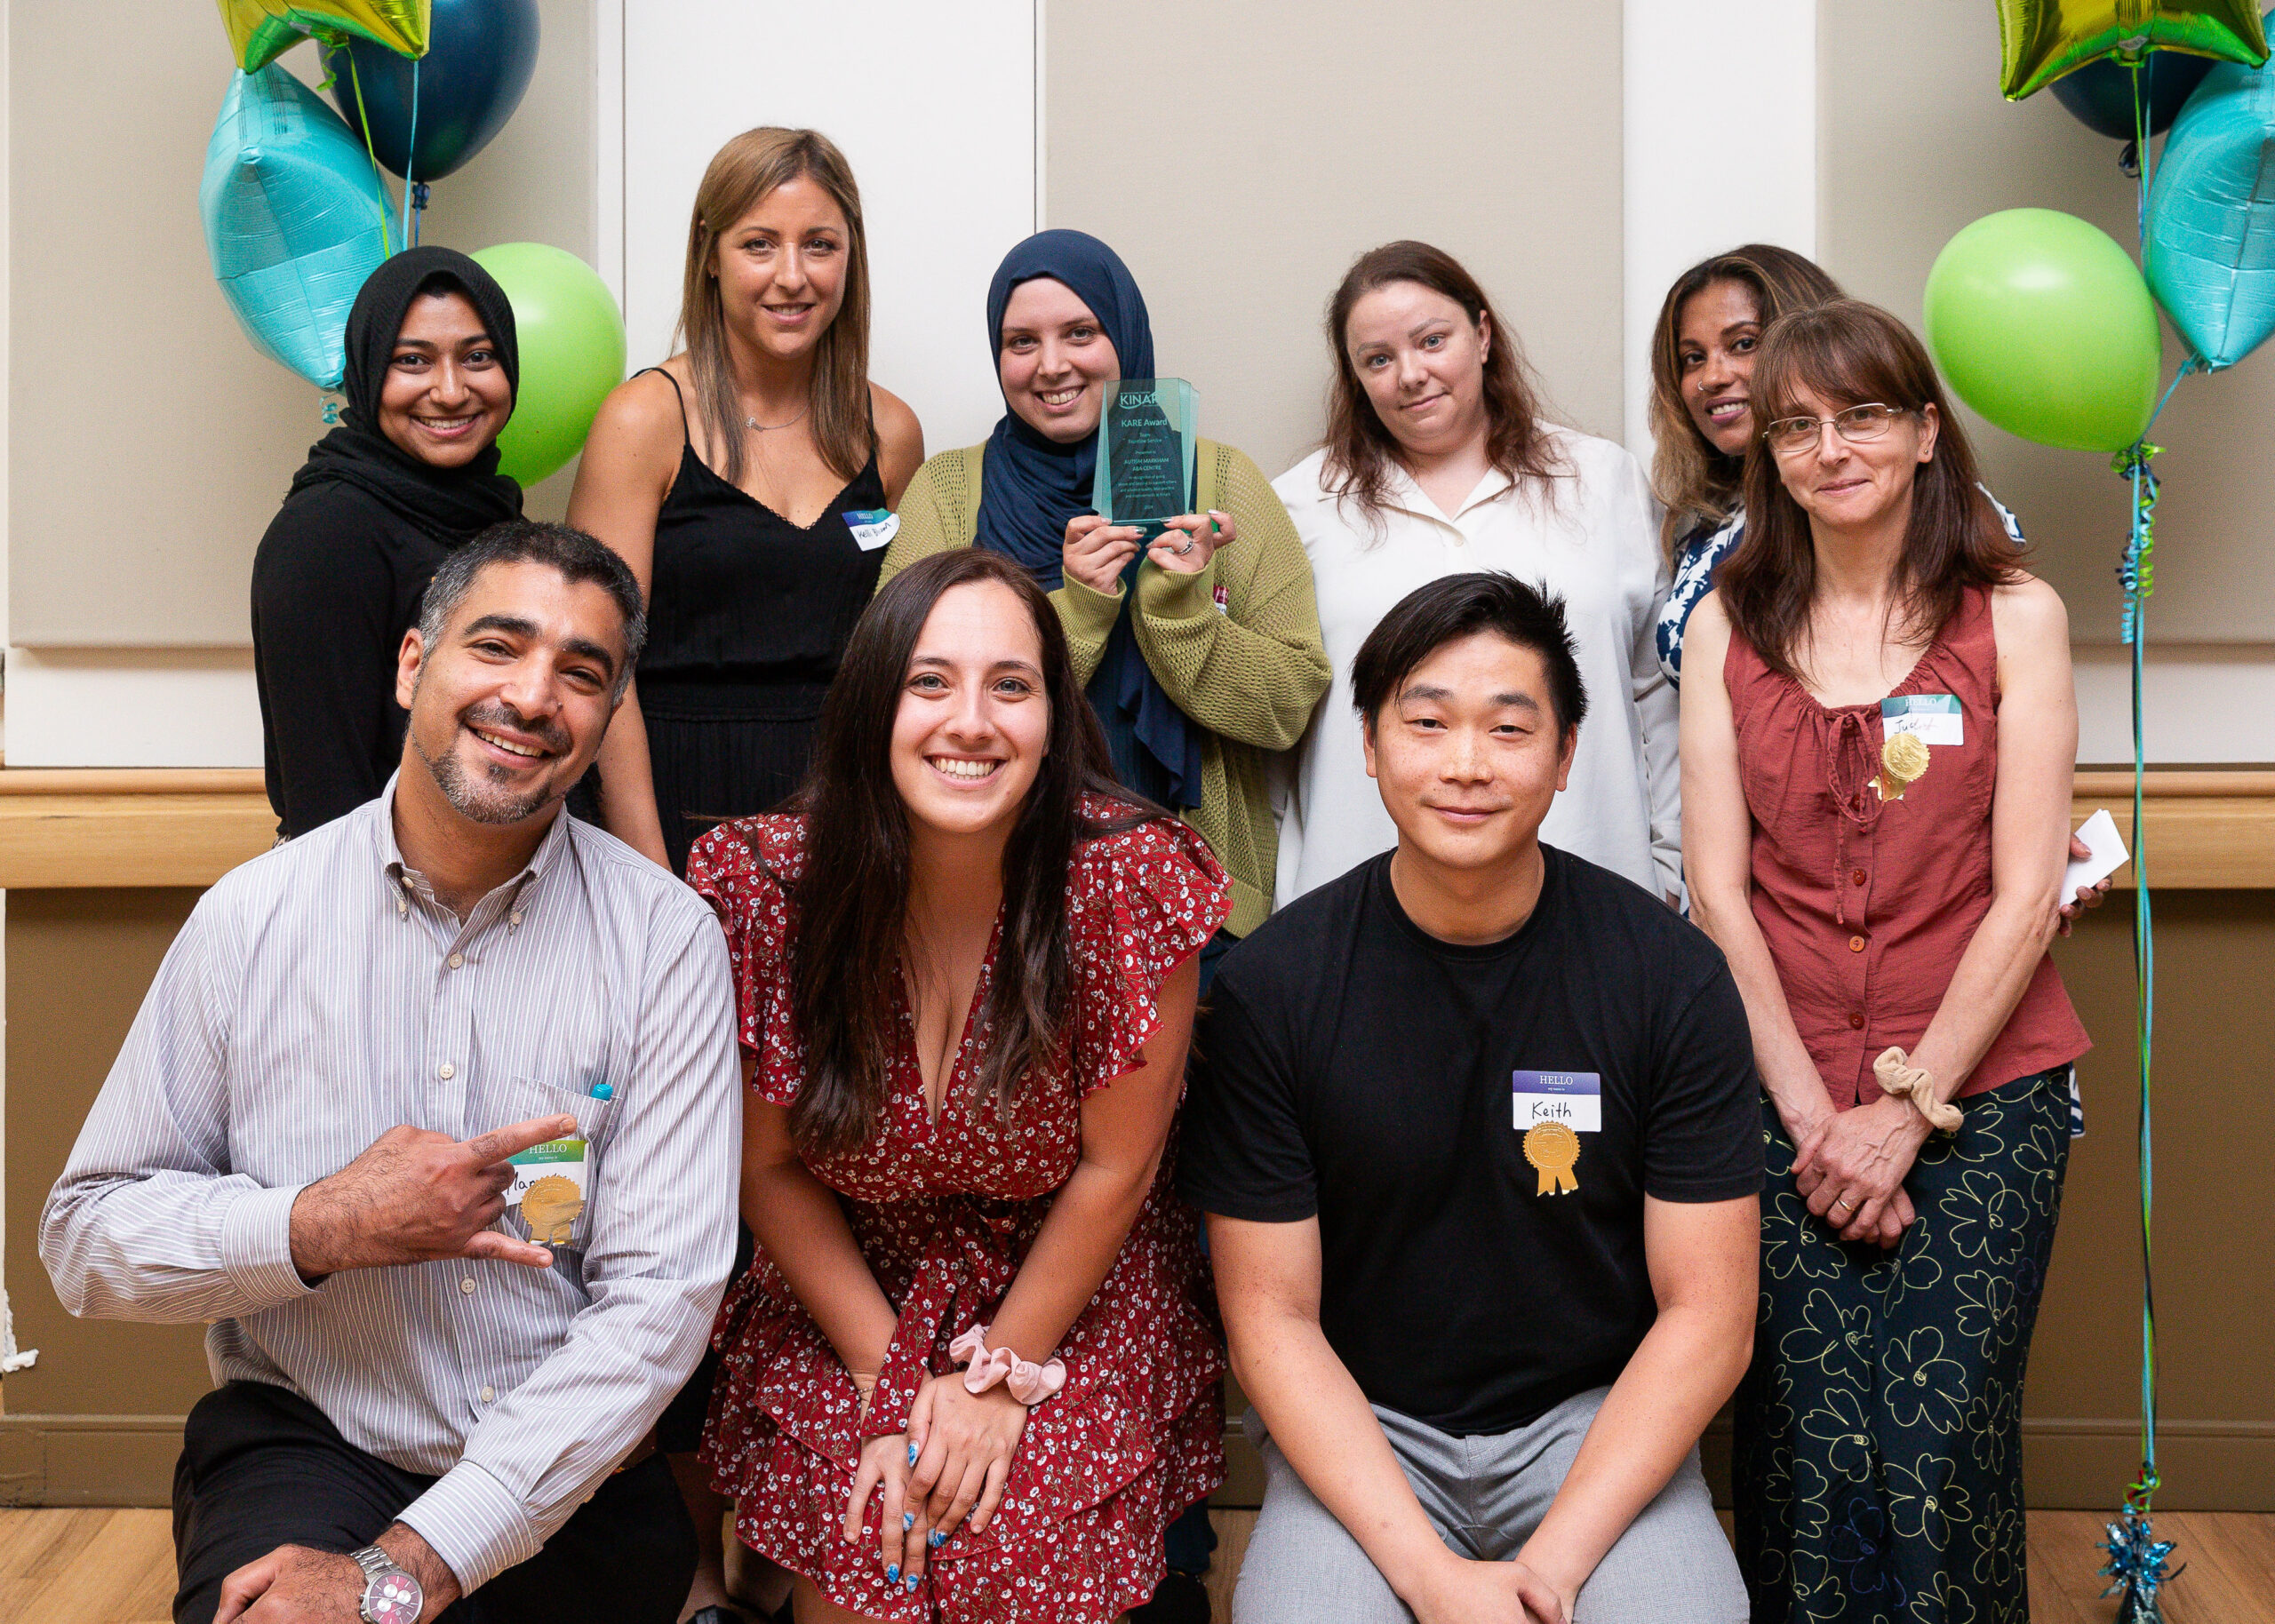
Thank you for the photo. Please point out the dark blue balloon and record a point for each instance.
(2100, 93)
(480, 55)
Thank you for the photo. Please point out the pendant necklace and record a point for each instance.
(768, 428)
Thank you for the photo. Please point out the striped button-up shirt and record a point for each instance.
(319, 996)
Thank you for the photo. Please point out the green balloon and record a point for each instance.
(573, 353)
(2042, 323)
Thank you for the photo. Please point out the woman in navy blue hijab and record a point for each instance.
(1041, 462)
(1199, 650)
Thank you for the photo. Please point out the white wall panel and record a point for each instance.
(1720, 126)
(935, 106)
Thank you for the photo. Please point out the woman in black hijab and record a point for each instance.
(410, 473)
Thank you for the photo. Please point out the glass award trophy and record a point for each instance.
(1145, 452)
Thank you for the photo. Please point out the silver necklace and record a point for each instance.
(768, 428)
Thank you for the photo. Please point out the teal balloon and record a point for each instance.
(2041, 323)
(2209, 239)
(571, 338)
(295, 219)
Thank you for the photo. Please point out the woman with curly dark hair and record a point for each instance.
(972, 1373)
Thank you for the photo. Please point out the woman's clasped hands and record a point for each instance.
(1851, 1170)
(1097, 553)
(950, 1465)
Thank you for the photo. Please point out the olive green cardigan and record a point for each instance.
(1248, 673)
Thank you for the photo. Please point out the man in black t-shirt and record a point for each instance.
(1476, 1130)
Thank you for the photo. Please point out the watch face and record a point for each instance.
(393, 1598)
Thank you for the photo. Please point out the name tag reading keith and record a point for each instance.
(1573, 1098)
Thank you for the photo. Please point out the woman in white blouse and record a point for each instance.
(1436, 462)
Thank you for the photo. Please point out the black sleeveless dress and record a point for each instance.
(747, 615)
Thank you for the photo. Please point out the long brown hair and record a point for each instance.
(853, 895)
(1361, 447)
(1849, 354)
(739, 175)
(1697, 483)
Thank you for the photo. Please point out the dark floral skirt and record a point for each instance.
(1878, 1460)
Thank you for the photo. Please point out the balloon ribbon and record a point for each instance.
(2139, 1566)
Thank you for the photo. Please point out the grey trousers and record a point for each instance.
(1485, 1496)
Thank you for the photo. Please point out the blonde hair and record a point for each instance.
(1695, 482)
(739, 175)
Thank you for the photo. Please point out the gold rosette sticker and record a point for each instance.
(1554, 1149)
(1902, 758)
(551, 1205)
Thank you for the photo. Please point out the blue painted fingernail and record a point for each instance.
(892, 1572)
(907, 1520)
(936, 1539)
(911, 1582)
(912, 1454)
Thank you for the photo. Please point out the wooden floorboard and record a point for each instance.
(95, 1566)
(86, 1566)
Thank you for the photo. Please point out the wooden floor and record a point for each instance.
(116, 1567)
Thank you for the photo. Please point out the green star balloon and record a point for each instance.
(2040, 40)
(262, 30)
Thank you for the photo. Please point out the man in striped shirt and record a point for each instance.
(432, 1112)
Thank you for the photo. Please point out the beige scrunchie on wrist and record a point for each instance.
(1899, 1076)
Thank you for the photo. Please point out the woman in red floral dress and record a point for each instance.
(972, 1373)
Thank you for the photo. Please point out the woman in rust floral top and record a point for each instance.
(970, 1376)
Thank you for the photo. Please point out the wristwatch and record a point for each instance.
(390, 1595)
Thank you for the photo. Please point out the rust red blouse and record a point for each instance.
(1868, 903)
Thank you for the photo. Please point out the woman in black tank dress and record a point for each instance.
(747, 481)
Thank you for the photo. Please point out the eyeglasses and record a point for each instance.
(1788, 436)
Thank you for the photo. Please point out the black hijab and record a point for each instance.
(451, 505)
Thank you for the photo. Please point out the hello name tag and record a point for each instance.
(549, 1187)
(1933, 719)
(872, 527)
(1573, 1098)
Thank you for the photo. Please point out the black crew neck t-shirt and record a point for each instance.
(1353, 1068)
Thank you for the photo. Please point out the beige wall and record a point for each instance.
(148, 444)
(1916, 142)
(1239, 157)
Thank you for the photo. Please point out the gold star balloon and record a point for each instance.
(262, 30)
(2040, 40)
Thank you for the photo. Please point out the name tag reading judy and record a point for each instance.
(1573, 1098)
(1933, 719)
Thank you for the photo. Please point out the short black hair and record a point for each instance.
(578, 557)
(1457, 606)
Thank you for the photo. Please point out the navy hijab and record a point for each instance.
(1031, 486)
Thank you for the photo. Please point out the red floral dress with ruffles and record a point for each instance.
(943, 1210)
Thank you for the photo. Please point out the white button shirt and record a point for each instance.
(1598, 549)
(320, 995)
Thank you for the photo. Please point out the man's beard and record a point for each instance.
(473, 795)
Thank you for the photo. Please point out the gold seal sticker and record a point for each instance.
(1902, 758)
(1554, 1149)
(551, 1205)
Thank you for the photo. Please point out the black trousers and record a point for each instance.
(262, 1467)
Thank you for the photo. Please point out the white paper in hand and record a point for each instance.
(2099, 833)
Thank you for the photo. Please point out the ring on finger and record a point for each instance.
(1182, 551)
(1844, 1201)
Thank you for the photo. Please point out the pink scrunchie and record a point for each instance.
(1029, 1383)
